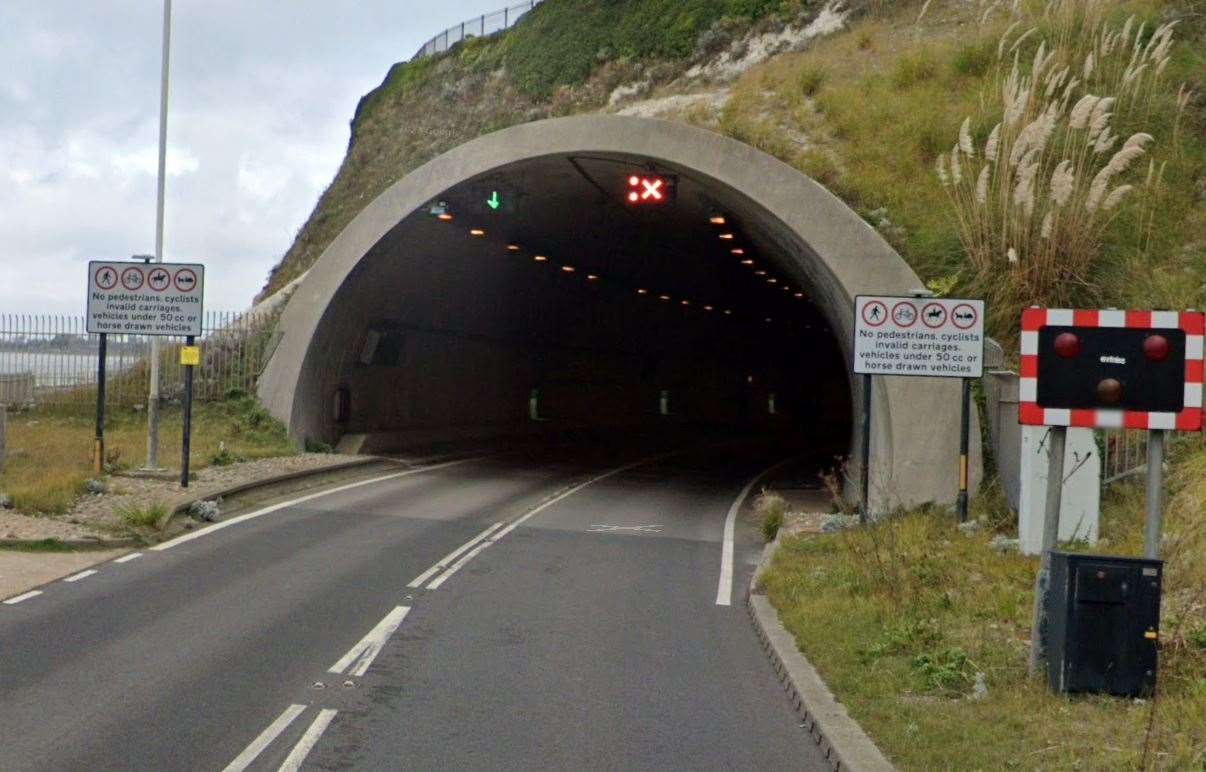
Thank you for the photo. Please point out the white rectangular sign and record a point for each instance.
(936, 337)
(145, 298)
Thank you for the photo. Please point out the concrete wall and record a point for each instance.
(832, 251)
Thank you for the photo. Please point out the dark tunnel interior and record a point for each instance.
(540, 297)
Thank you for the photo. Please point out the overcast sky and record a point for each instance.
(262, 95)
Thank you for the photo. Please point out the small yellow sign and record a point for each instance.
(190, 356)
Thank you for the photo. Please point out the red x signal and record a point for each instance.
(648, 190)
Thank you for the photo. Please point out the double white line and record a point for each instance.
(355, 663)
(454, 561)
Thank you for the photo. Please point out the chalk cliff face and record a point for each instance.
(670, 59)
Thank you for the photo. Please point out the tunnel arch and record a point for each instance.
(826, 246)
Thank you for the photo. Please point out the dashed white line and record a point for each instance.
(451, 556)
(301, 500)
(518, 522)
(295, 758)
(724, 588)
(249, 754)
(24, 596)
(366, 650)
(80, 575)
(128, 558)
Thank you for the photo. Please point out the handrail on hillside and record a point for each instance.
(486, 24)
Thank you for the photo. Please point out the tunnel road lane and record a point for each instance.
(587, 639)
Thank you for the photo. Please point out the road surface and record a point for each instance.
(523, 611)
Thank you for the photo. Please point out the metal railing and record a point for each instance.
(52, 360)
(486, 24)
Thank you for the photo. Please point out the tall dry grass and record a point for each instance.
(1035, 197)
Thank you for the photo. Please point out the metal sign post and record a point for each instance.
(98, 451)
(918, 336)
(190, 357)
(154, 299)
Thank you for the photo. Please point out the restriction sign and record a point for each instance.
(934, 337)
(145, 299)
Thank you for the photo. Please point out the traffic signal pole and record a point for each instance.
(1153, 525)
(1057, 439)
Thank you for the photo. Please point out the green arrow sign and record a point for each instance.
(494, 202)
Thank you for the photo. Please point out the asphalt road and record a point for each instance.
(567, 617)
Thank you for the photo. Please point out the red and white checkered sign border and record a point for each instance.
(1189, 419)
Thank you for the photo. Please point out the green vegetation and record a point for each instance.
(150, 516)
(769, 510)
(900, 618)
(51, 448)
(45, 545)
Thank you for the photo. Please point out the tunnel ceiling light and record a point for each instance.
(786, 288)
(738, 251)
(747, 261)
(709, 308)
(445, 216)
(717, 219)
(663, 297)
(477, 232)
(686, 302)
(769, 320)
(760, 273)
(727, 237)
(642, 291)
(772, 280)
(540, 258)
(591, 277)
(568, 268)
(799, 295)
(728, 312)
(512, 247)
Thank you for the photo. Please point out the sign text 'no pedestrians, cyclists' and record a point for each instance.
(936, 337)
(145, 298)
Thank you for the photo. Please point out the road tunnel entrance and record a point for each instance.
(599, 272)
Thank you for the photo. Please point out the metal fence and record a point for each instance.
(52, 360)
(486, 24)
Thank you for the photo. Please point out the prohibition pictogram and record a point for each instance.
(106, 278)
(159, 279)
(132, 279)
(964, 316)
(875, 313)
(904, 314)
(933, 315)
(185, 279)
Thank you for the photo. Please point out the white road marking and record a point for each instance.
(301, 500)
(724, 589)
(451, 556)
(24, 596)
(363, 653)
(516, 523)
(295, 758)
(128, 558)
(599, 528)
(80, 575)
(266, 738)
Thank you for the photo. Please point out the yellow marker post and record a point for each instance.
(190, 356)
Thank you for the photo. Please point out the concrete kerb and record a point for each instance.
(842, 741)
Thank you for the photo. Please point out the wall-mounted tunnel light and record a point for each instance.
(760, 273)
(642, 291)
(717, 219)
(727, 237)
(769, 320)
(440, 209)
(477, 232)
(747, 261)
(591, 277)
(686, 302)
(568, 268)
(772, 280)
(799, 295)
(512, 247)
(728, 312)
(709, 308)
(540, 259)
(738, 251)
(663, 297)
(445, 216)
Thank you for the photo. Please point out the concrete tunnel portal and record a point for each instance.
(510, 286)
